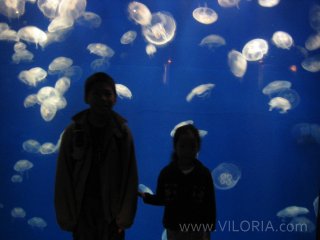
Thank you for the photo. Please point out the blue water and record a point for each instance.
(278, 169)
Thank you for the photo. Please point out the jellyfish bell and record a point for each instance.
(280, 103)
(226, 176)
(48, 111)
(312, 64)
(173, 131)
(313, 42)
(18, 212)
(101, 50)
(9, 35)
(212, 41)
(89, 19)
(100, 64)
(205, 15)
(202, 90)
(123, 91)
(60, 23)
(12, 8)
(237, 63)
(268, 3)
(128, 37)
(60, 64)
(47, 148)
(291, 95)
(33, 76)
(314, 18)
(16, 178)
(151, 49)
(31, 146)
(49, 8)
(72, 8)
(62, 85)
(22, 166)
(37, 222)
(276, 86)
(161, 30)
(30, 100)
(139, 13)
(4, 26)
(229, 3)
(255, 49)
(32, 34)
(143, 188)
(282, 40)
(292, 211)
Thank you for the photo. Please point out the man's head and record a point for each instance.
(100, 92)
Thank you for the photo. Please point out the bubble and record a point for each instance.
(255, 49)
(237, 63)
(282, 40)
(226, 176)
(123, 91)
(31, 146)
(18, 212)
(22, 166)
(268, 3)
(101, 50)
(16, 178)
(33, 76)
(143, 188)
(128, 37)
(280, 103)
(202, 90)
(139, 13)
(161, 29)
(37, 222)
(205, 15)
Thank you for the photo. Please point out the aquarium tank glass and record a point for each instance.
(246, 73)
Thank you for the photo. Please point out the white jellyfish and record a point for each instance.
(255, 49)
(315, 17)
(33, 76)
(4, 26)
(47, 148)
(161, 30)
(31, 146)
(12, 8)
(291, 95)
(60, 23)
(128, 37)
(279, 103)
(62, 85)
(22, 166)
(202, 133)
(101, 50)
(89, 19)
(99, 64)
(151, 49)
(9, 35)
(16, 178)
(139, 13)
(37, 222)
(30, 100)
(282, 40)
(292, 211)
(22, 56)
(202, 90)
(73, 72)
(205, 15)
(212, 41)
(268, 3)
(72, 8)
(18, 212)
(313, 42)
(276, 86)
(32, 34)
(316, 205)
(312, 64)
(237, 63)
(302, 224)
(173, 131)
(228, 3)
(49, 8)
(226, 176)
(47, 93)
(48, 111)
(123, 91)
(143, 188)
(59, 64)
(57, 36)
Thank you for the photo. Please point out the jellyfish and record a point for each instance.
(282, 40)
(16, 178)
(200, 91)
(99, 64)
(47, 148)
(19, 46)
(101, 50)
(60, 23)
(31, 146)
(18, 212)
(212, 41)
(226, 176)
(57, 36)
(292, 211)
(143, 188)
(73, 72)
(151, 49)
(22, 56)
(161, 29)
(12, 8)
(313, 42)
(312, 64)
(291, 95)
(89, 19)
(205, 15)
(302, 224)
(46, 93)
(314, 18)
(49, 8)
(316, 205)
(268, 3)
(237, 63)
(180, 125)
(128, 37)
(37, 222)
(22, 166)
(255, 49)
(276, 86)
(139, 13)
(72, 8)
(32, 34)
(62, 85)
(48, 111)
(59, 64)
(228, 3)
(280, 103)
(9, 35)
(4, 26)
(33, 76)
(123, 91)
(30, 100)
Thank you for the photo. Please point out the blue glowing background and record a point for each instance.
(277, 170)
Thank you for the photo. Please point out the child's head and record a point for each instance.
(186, 142)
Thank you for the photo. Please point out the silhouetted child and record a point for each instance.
(185, 188)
